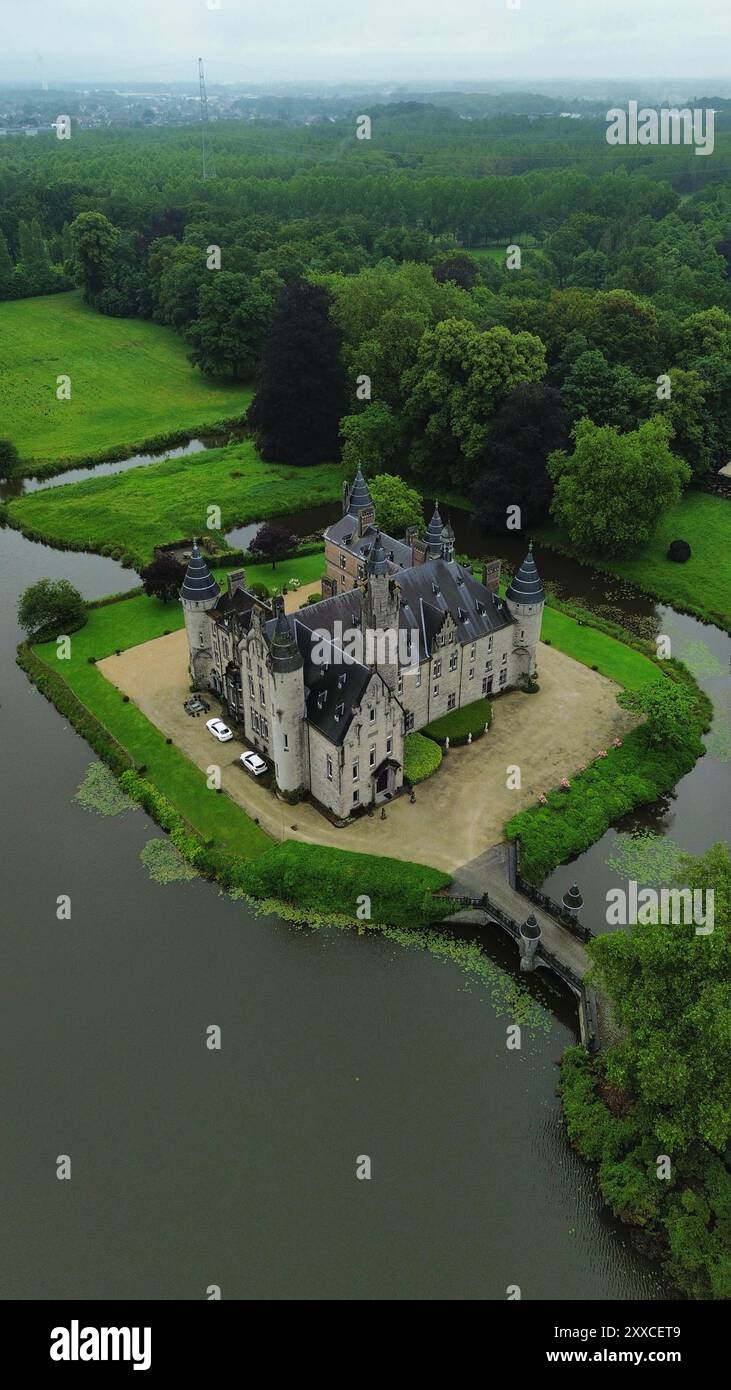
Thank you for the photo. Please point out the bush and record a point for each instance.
(259, 590)
(9, 459)
(422, 757)
(460, 723)
(329, 880)
(50, 607)
(679, 551)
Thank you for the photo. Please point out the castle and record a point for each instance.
(402, 635)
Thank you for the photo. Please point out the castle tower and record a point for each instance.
(289, 739)
(380, 615)
(434, 535)
(358, 503)
(447, 542)
(198, 595)
(526, 599)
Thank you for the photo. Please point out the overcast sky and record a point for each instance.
(368, 40)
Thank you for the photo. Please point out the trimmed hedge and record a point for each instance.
(633, 775)
(422, 757)
(460, 723)
(332, 880)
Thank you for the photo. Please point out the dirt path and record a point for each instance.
(459, 812)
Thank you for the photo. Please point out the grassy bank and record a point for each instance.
(703, 585)
(131, 382)
(127, 514)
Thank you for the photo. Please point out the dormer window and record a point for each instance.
(481, 607)
(461, 614)
(341, 680)
(339, 711)
(435, 588)
(321, 699)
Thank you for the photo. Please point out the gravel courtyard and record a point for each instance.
(459, 812)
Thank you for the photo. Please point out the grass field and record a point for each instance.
(132, 512)
(629, 668)
(130, 381)
(125, 624)
(703, 585)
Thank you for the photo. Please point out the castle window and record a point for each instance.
(255, 721)
(435, 691)
(438, 668)
(343, 561)
(251, 686)
(453, 662)
(504, 659)
(356, 797)
(355, 772)
(372, 714)
(408, 722)
(400, 685)
(472, 673)
(329, 768)
(389, 744)
(489, 644)
(286, 742)
(488, 665)
(451, 701)
(417, 682)
(503, 676)
(372, 756)
(262, 698)
(264, 729)
(521, 634)
(472, 652)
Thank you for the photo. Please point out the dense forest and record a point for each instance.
(515, 306)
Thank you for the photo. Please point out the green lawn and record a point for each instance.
(126, 624)
(629, 668)
(130, 381)
(129, 513)
(703, 585)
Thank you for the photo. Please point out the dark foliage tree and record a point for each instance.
(302, 392)
(461, 269)
(530, 424)
(273, 542)
(9, 458)
(163, 577)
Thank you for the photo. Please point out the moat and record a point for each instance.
(333, 1045)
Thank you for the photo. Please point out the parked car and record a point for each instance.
(219, 730)
(253, 763)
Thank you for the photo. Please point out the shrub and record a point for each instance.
(331, 880)
(679, 551)
(460, 723)
(259, 590)
(422, 757)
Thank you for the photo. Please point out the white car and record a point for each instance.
(253, 763)
(219, 730)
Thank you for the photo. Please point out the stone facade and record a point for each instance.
(329, 694)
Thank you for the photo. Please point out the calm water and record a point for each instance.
(237, 1168)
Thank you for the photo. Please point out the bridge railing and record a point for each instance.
(549, 905)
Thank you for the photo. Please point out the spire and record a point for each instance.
(283, 649)
(447, 542)
(434, 534)
(526, 587)
(199, 583)
(377, 562)
(359, 497)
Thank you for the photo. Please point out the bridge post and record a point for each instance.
(530, 935)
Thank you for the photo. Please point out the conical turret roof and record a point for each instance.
(199, 582)
(377, 562)
(359, 496)
(434, 532)
(283, 649)
(526, 586)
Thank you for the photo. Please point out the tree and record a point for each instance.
(234, 314)
(601, 391)
(611, 491)
(179, 283)
(93, 241)
(301, 394)
(273, 542)
(460, 268)
(372, 439)
(461, 377)
(531, 423)
(669, 710)
(34, 259)
(9, 458)
(6, 269)
(707, 334)
(163, 577)
(397, 505)
(50, 607)
(694, 431)
(671, 995)
(626, 329)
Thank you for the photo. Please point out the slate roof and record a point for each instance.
(233, 611)
(526, 586)
(434, 533)
(359, 495)
(476, 611)
(335, 686)
(199, 582)
(344, 533)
